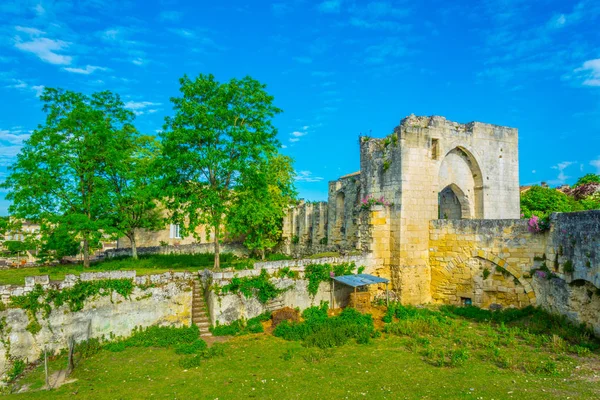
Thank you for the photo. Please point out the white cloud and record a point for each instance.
(139, 61)
(186, 33)
(299, 134)
(45, 49)
(283, 146)
(15, 137)
(22, 85)
(562, 177)
(590, 72)
(307, 176)
(39, 10)
(85, 71)
(330, 6)
(141, 107)
(596, 164)
(293, 140)
(30, 31)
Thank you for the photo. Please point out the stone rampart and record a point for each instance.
(194, 248)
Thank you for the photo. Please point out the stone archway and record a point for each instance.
(460, 171)
(453, 204)
(484, 278)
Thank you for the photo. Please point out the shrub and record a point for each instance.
(318, 330)
(18, 367)
(241, 326)
(317, 273)
(259, 286)
(158, 336)
(88, 348)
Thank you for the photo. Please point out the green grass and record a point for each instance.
(145, 265)
(261, 366)
(425, 353)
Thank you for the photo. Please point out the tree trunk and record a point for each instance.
(134, 253)
(262, 254)
(217, 248)
(86, 251)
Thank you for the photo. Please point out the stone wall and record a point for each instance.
(163, 299)
(572, 254)
(486, 261)
(225, 308)
(194, 248)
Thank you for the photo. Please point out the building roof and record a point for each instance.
(360, 280)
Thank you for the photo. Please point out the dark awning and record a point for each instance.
(360, 280)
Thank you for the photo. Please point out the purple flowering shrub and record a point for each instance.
(369, 201)
(536, 224)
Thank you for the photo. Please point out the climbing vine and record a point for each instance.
(40, 300)
(317, 273)
(260, 286)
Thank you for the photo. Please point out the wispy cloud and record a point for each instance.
(562, 177)
(589, 72)
(22, 85)
(45, 49)
(307, 176)
(15, 136)
(85, 71)
(141, 107)
(596, 164)
(330, 6)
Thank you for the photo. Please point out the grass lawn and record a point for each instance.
(145, 265)
(393, 366)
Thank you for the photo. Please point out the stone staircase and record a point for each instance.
(199, 310)
(274, 304)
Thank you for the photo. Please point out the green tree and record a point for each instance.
(57, 242)
(261, 201)
(56, 177)
(543, 201)
(587, 178)
(217, 130)
(132, 176)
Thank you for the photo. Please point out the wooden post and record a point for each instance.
(46, 367)
(387, 295)
(333, 295)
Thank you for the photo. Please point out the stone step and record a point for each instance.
(205, 334)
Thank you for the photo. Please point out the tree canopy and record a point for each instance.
(57, 177)
(260, 203)
(216, 132)
(542, 201)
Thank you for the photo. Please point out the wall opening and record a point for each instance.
(435, 149)
(460, 171)
(453, 204)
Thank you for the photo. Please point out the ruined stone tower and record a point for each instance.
(428, 168)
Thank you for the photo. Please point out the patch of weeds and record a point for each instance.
(18, 367)
(241, 326)
(196, 360)
(313, 355)
(568, 267)
(486, 273)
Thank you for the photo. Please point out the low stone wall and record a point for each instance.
(225, 308)
(163, 299)
(573, 257)
(485, 261)
(195, 248)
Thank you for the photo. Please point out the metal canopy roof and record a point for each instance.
(360, 280)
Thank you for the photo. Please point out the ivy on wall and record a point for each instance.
(41, 300)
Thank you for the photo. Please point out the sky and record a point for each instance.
(338, 68)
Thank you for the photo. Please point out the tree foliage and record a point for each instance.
(587, 178)
(57, 175)
(260, 203)
(542, 201)
(217, 130)
(130, 171)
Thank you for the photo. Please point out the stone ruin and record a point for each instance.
(451, 233)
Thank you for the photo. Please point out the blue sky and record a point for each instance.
(338, 68)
